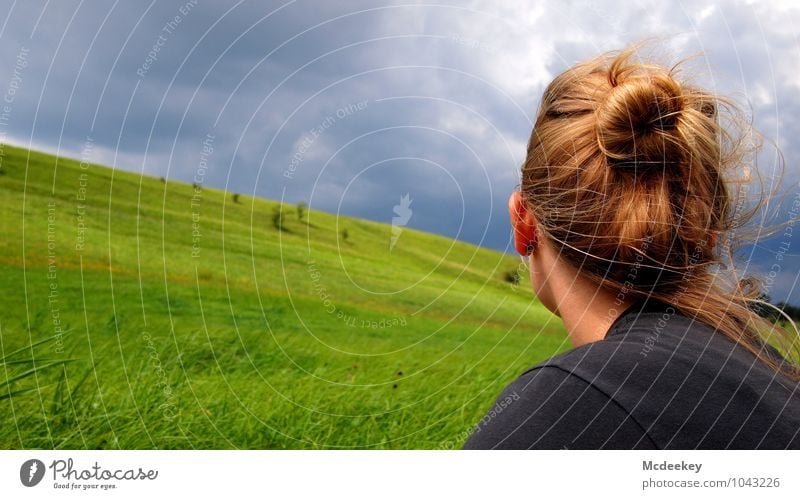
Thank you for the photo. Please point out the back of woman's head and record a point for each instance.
(628, 174)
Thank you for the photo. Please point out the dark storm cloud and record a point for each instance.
(351, 105)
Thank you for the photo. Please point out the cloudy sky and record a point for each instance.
(350, 105)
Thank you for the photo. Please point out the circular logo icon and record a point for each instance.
(31, 472)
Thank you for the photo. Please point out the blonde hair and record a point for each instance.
(628, 175)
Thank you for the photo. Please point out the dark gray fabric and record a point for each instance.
(658, 380)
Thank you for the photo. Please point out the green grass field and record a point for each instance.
(139, 313)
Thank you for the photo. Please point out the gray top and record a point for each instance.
(658, 380)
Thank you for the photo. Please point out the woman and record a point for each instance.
(623, 204)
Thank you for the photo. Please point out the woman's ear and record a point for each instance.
(523, 223)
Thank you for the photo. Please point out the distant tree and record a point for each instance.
(301, 210)
(790, 310)
(345, 234)
(763, 310)
(277, 217)
(163, 180)
(512, 276)
(235, 197)
(768, 312)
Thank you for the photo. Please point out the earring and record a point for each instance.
(528, 249)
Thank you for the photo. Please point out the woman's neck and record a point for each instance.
(586, 309)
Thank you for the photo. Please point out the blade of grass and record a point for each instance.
(32, 371)
(28, 347)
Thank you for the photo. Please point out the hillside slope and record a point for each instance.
(164, 316)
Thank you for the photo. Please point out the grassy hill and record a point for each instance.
(139, 313)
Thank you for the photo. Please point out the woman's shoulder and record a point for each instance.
(687, 384)
(658, 380)
(548, 407)
(657, 347)
(650, 335)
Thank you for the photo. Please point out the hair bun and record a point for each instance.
(637, 119)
